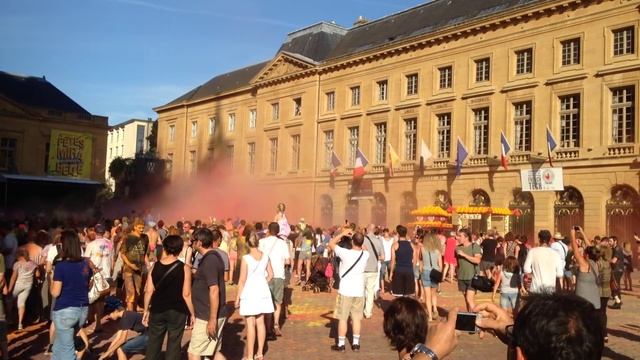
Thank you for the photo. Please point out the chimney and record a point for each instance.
(360, 21)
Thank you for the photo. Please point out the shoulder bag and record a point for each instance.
(435, 275)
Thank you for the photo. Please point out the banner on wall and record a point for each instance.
(70, 154)
(543, 179)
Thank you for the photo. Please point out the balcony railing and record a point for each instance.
(407, 166)
(567, 154)
(520, 158)
(441, 163)
(377, 168)
(478, 161)
(621, 150)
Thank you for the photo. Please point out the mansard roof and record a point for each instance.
(324, 42)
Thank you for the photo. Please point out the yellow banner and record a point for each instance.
(70, 154)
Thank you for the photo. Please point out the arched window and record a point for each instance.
(479, 197)
(326, 211)
(623, 215)
(351, 211)
(523, 222)
(379, 210)
(409, 203)
(568, 210)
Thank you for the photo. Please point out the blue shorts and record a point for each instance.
(426, 279)
(137, 345)
(508, 300)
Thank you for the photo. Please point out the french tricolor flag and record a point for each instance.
(505, 150)
(360, 163)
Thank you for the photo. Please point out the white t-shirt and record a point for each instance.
(545, 265)
(52, 253)
(387, 244)
(353, 283)
(100, 251)
(278, 253)
(560, 249)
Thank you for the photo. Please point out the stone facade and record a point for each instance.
(571, 66)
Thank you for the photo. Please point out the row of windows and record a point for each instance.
(569, 115)
(570, 54)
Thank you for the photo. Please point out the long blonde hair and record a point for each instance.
(431, 242)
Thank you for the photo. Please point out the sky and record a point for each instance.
(122, 58)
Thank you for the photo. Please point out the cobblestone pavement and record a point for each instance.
(308, 332)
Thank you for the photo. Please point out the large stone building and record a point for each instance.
(52, 150)
(437, 72)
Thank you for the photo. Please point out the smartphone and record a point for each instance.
(466, 321)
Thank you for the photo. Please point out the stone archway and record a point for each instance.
(568, 210)
(623, 215)
(379, 210)
(351, 211)
(409, 203)
(326, 211)
(523, 223)
(479, 197)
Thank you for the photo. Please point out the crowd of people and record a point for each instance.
(156, 280)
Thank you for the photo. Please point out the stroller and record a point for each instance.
(318, 281)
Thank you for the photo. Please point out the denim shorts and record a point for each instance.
(508, 300)
(137, 345)
(426, 279)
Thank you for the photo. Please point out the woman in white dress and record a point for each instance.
(254, 296)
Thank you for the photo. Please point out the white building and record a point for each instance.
(126, 140)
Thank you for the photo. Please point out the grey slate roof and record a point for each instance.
(314, 42)
(37, 92)
(419, 20)
(222, 83)
(323, 41)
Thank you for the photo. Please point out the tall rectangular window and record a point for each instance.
(570, 52)
(446, 77)
(168, 166)
(172, 132)
(230, 152)
(251, 157)
(444, 135)
(295, 152)
(273, 152)
(275, 111)
(194, 129)
(331, 100)
(328, 149)
(483, 69)
(140, 139)
(231, 125)
(383, 90)
(381, 143)
(522, 122)
(524, 61)
(193, 162)
(412, 84)
(297, 107)
(8, 148)
(253, 118)
(354, 136)
(570, 121)
(481, 131)
(623, 41)
(355, 96)
(623, 115)
(410, 139)
(212, 125)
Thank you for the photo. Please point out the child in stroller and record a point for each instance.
(318, 281)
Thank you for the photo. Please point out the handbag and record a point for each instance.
(435, 275)
(99, 287)
(481, 282)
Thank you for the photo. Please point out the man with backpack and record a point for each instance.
(350, 302)
(562, 250)
(278, 252)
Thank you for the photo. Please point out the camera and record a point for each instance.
(466, 321)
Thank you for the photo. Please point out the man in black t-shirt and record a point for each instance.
(208, 296)
(129, 321)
